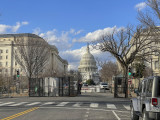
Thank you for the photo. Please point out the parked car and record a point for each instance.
(85, 84)
(147, 102)
(104, 86)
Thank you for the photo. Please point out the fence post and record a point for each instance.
(59, 87)
(62, 86)
(69, 86)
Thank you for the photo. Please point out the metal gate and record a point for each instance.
(50, 87)
(119, 87)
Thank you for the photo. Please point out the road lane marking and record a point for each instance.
(81, 108)
(77, 105)
(48, 103)
(111, 106)
(19, 114)
(3, 104)
(21, 103)
(34, 103)
(62, 104)
(127, 107)
(94, 105)
(116, 115)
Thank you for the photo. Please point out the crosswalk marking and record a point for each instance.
(112, 106)
(3, 104)
(77, 105)
(48, 103)
(21, 103)
(94, 105)
(62, 104)
(127, 107)
(34, 103)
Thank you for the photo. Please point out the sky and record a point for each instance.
(69, 24)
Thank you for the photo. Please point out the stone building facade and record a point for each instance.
(56, 66)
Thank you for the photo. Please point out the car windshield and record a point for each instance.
(104, 84)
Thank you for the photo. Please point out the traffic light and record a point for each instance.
(129, 71)
(18, 73)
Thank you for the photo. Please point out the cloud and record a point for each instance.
(25, 23)
(37, 31)
(11, 29)
(62, 40)
(140, 6)
(74, 56)
(92, 36)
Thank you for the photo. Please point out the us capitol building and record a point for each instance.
(88, 68)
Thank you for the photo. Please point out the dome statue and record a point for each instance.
(87, 67)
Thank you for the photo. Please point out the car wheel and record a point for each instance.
(134, 116)
(145, 115)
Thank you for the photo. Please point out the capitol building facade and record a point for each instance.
(88, 68)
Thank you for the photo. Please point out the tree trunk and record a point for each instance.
(126, 81)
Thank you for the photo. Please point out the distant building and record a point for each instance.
(8, 66)
(88, 68)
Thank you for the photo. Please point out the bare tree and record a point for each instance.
(125, 45)
(31, 55)
(151, 17)
(109, 69)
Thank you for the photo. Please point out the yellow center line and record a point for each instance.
(19, 114)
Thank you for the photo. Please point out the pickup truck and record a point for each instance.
(146, 105)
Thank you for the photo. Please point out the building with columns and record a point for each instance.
(88, 68)
(56, 66)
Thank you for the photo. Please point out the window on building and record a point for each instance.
(6, 56)
(0, 70)
(156, 64)
(15, 63)
(0, 57)
(7, 51)
(6, 70)
(6, 63)
(0, 64)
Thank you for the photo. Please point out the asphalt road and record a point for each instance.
(88, 106)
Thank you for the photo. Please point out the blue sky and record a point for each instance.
(68, 22)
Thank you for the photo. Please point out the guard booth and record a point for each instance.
(119, 86)
(51, 87)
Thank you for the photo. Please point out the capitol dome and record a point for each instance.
(87, 67)
(87, 62)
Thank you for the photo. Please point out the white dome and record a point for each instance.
(87, 60)
(88, 68)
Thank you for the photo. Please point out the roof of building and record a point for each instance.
(54, 48)
(19, 35)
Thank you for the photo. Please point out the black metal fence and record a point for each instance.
(9, 86)
(50, 87)
(119, 87)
